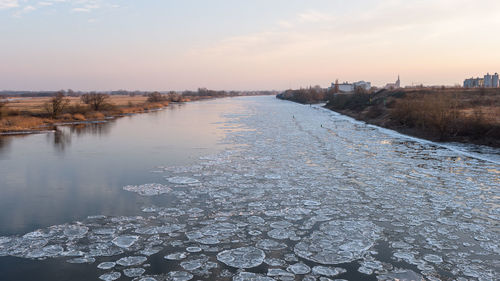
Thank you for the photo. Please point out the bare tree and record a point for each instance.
(56, 105)
(95, 100)
(155, 97)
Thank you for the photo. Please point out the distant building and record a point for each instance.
(488, 81)
(474, 83)
(347, 87)
(362, 84)
(495, 82)
(395, 85)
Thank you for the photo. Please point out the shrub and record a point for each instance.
(95, 115)
(79, 117)
(155, 97)
(66, 116)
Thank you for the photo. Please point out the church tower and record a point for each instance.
(398, 83)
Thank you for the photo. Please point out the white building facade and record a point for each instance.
(351, 87)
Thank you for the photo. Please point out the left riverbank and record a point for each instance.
(33, 114)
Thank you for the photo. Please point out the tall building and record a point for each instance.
(495, 82)
(487, 81)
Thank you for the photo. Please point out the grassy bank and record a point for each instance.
(448, 114)
(35, 111)
(32, 114)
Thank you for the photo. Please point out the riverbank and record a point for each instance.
(29, 114)
(442, 115)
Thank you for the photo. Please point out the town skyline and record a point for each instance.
(109, 45)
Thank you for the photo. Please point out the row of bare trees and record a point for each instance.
(60, 102)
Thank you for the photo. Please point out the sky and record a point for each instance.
(243, 45)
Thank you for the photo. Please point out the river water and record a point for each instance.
(247, 188)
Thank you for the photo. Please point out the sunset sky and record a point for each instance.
(242, 44)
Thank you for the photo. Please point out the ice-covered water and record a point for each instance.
(303, 194)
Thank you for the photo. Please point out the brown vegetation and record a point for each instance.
(305, 96)
(41, 112)
(38, 110)
(464, 115)
(96, 101)
(56, 105)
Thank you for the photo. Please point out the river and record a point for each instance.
(249, 188)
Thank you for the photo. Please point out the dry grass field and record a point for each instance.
(26, 114)
(36, 104)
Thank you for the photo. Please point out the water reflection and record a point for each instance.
(4, 144)
(96, 129)
(59, 139)
(76, 171)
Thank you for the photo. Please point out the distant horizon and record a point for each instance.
(234, 44)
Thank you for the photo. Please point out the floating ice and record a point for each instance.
(433, 258)
(272, 245)
(280, 272)
(150, 189)
(133, 272)
(193, 249)
(82, 260)
(75, 231)
(249, 276)
(338, 242)
(180, 276)
(130, 261)
(192, 264)
(125, 241)
(110, 276)
(402, 275)
(176, 256)
(280, 234)
(328, 271)
(182, 180)
(299, 268)
(246, 257)
(106, 265)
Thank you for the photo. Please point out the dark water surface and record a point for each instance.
(59, 177)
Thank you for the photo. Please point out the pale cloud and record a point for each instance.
(24, 10)
(393, 34)
(23, 6)
(8, 4)
(43, 3)
(315, 16)
(81, 10)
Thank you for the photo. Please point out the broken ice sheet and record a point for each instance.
(125, 241)
(130, 261)
(150, 189)
(338, 242)
(110, 276)
(245, 257)
(182, 180)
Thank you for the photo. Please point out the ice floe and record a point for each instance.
(245, 257)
